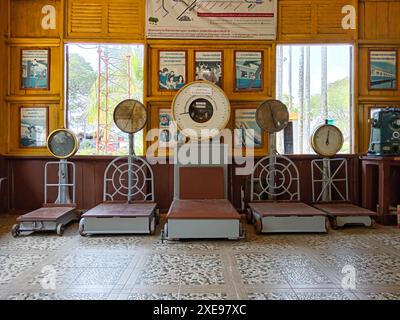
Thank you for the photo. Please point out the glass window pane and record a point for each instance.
(315, 83)
(99, 77)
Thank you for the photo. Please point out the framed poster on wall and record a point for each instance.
(212, 19)
(35, 66)
(247, 132)
(383, 69)
(209, 66)
(248, 71)
(33, 127)
(172, 73)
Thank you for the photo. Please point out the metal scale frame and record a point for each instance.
(53, 217)
(127, 180)
(276, 176)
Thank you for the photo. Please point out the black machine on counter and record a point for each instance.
(385, 133)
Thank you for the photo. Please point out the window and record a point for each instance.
(315, 82)
(98, 78)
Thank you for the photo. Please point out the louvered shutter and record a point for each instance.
(121, 19)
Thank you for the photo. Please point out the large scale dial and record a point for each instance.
(130, 116)
(201, 110)
(327, 140)
(62, 144)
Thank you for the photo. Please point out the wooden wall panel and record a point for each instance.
(14, 126)
(4, 187)
(310, 20)
(3, 73)
(101, 19)
(26, 18)
(379, 20)
(27, 177)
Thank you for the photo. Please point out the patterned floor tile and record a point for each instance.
(12, 266)
(153, 296)
(273, 296)
(203, 296)
(260, 269)
(99, 277)
(371, 269)
(63, 276)
(323, 295)
(35, 242)
(174, 269)
(110, 242)
(58, 296)
(379, 295)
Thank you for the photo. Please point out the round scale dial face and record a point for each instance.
(272, 116)
(130, 116)
(201, 110)
(327, 140)
(62, 144)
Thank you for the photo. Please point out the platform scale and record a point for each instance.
(275, 205)
(200, 209)
(128, 197)
(62, 144)
(330, 176)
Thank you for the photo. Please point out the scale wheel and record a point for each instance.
(152, 226)
(334, 224)
(82, 227)
(60, 229)
(15, 230)
(373, 223)
(162, 236)
(249, 216)
(258, 226)
(157, 215)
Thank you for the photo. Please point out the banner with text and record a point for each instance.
(212, 19)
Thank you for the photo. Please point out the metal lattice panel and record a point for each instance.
(116, 180)
(327, 175)
(63, 185)
(275, 176)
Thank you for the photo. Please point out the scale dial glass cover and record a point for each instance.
(327, 140)
(272, 116)
(199, 106)
(62, 144)
(130, 116)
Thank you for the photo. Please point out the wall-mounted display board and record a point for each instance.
(247, 133)
(28, 126)
(249, 70)
(243, 74)
(378, 73)
(383, 70)
(35, 65)
(33, 127)
(172, 74)
(212, 19)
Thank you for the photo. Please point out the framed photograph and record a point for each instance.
(172, 73)
(35, 65)
(249, 71)
(209, 66)
(383, 69)
(33, 127)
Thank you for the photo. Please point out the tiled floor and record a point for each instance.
(141, 267)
